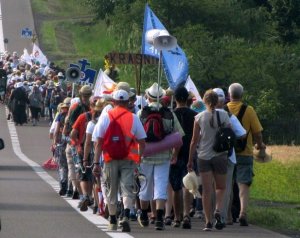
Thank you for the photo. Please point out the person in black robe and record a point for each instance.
(19, 100)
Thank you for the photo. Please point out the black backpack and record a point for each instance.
(224, 139)
(241, 143)
(152, 120)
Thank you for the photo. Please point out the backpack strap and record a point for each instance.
(218, 118)
(88, 116)
(226, 108)
(241, 112)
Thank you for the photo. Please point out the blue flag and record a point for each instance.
(175, 63)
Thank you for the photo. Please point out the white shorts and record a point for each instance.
(156, 184)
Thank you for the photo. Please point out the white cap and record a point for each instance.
(75, 100)
(60, 74)
(220, 92)
(120, 95)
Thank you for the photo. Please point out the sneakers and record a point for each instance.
(192, 212)
(159, 225)
(243, 220)
(125, 225)
(199, 214)
(219, 225)
(186, 223)
(208, 227)
(143, 222)
(84, 204)
(75, 195)
(168, 221)
(95, 209)
(112, 227)
(152, 220)
(69, 193)
(62, 192)
(132, 216)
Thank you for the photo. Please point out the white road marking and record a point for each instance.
(98, 221)
(2, 46)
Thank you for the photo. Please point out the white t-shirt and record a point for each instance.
(238, 130)
(90, 127)
(104, 112)
(53, 127)
(137, 128)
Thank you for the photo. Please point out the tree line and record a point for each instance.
(254, 42)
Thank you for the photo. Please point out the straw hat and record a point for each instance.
(191, 182)
(85, 90)
(169, 92)
(100, 104)
(125, 86)
(262, 156)
(155, 91)
(64, 105)
(67, 100)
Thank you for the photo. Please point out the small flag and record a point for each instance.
(38, 55)
(190, 86)
(26, 57)
(104, 84)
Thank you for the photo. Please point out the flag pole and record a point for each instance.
(159, 77)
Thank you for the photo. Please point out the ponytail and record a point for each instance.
(211, 100)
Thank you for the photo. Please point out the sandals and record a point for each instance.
(176, 223)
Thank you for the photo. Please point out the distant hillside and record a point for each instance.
(67, 33)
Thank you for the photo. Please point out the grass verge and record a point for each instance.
(275, 194)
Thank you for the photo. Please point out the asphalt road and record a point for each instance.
(29, 204)
(16, 15)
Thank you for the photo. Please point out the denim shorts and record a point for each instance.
(244, 169)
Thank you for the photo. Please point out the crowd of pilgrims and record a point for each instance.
(37, 91)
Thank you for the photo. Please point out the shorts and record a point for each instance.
(87, 174)
(119, 174)
(244, 169)
(177, 172)
(217, 164)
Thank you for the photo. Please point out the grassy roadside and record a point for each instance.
(275, 194)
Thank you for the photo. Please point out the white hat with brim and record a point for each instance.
(262, 155)
(191, 183)
(155, 91)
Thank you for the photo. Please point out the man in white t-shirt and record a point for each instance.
(119, 171)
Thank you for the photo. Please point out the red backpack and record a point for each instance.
(152, 120)
(114, 140)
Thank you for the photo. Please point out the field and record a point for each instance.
(275, 194)
(67, 33)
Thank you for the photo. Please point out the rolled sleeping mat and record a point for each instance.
(173, 140)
